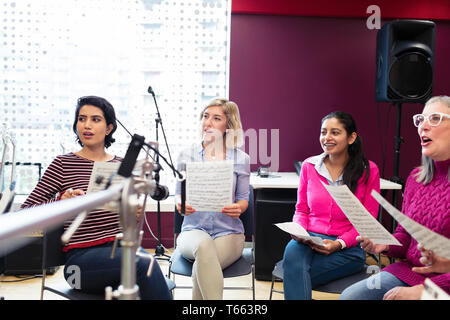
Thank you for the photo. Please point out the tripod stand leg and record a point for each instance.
(159, 250)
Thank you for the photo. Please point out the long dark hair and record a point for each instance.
(357, 165)
(108, 112)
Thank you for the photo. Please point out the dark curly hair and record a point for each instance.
(108, 112)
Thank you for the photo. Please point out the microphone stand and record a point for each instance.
(159, 250)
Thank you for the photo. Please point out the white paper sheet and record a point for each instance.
(432, 292)
(209, 185)
(366, 225)
(105, 169)
(428, 238)
(297, 230)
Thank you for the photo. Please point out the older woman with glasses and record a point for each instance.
(426, 200)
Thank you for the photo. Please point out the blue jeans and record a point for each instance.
(372, 288)
(305, 269)
(97, 270)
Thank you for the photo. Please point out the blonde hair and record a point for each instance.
(426, 170)
(234, 133)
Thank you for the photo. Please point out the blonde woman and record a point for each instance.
(214, 240)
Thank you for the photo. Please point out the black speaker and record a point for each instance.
(26, 260)
(405, 61)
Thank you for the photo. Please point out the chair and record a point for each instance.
(243, 266)
(53, 256)
(335, 286)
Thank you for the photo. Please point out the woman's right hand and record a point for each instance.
(303, 241)
(370, 247)
(188, 209)
(432, 262)
(69, 193)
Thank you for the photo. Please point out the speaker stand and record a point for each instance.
(397, 144)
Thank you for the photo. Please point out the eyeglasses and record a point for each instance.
(433, 119)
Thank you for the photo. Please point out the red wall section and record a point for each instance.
(288, 72)
(417, 9)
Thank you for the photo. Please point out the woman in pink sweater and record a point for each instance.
(305, 264)
(426, 200)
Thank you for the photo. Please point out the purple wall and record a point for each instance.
(288, 72)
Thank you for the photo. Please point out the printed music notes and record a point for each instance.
(432, 292)
(209, 185)
(107, 170)
(430, 240)
(360, 218)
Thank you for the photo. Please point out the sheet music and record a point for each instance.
(209, 185)
(105, 169)
(428, 238)
(432, 292)
(297, 230)
(360, 218)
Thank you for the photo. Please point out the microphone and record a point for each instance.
(129, 161)
(160, 192)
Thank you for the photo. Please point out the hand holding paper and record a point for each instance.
(431, 240)
(370, 247)
(298, 231)
(209, 185)
(432, 262)
(366, 225)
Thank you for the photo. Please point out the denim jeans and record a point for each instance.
(305, 269)
(372, 288)
(97, 270)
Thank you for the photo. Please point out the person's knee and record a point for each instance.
(205, 248)
(292, 257)
(350, 293)
(367, 289)
(293, 250)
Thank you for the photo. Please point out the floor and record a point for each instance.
(28, 288)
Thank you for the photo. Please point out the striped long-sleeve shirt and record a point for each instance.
(71, 171)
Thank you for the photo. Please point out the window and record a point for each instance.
(53, 52)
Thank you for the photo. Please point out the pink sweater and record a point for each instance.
(316, 211)
(428, 205)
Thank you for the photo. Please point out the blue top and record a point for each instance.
(218, 224)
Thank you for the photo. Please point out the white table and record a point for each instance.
(289, 180)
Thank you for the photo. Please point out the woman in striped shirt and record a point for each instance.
(68, 176)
